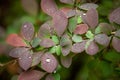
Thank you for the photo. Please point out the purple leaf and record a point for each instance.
(46, 42)
(102, 39)
(30, 6)
(116, 44)
(81, 29)
(66, 61)
(67, 1)
(115, 16)
(48, 62)
(49, 77)
(25, 60)
(27, 31)
(49, 7)
(117, 33)
(17, 52)
(36, 58)
(92, 48)
(31, 75)
(78, 47)
(60, 22)
(88, 6)
(92, 18)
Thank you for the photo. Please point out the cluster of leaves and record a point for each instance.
(70, 31)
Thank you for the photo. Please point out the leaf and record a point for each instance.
(25, 60)
(15, 40)
(72, 24)
(49, 7)
(102, 39)
(49, 77)
(36, 58)
(58, 50)
(2, 32)
(88, 6)
(92, 18)
(52, 49)
(67, 1)
(81, 29)
(60, 22)
(79, 20)
(77, 38)
(78, 47)
(115, 16)
(46, 42)
(116, 44)
(48, 63)
(17, 52)
(55, 39)
(35, 42)
(45, 30)
(117, 33)
(91, 48)
(89, 35)
(31, 75)
(56, 76)
(27, 31)
(66, 61)
(30, 6)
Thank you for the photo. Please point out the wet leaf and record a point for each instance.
(48, 63)
(91, 48)
(81, 29)
(30, 6)
(66, 61)
(102, 39)
(115, 16)
(49, 7)
(35, 42)
(27, 31)
(67, 1)
(46, 42)
(45, 30)
(116, 44)
(78, 47)
(25, 60)
(88, 6)
(60, 22)
(77, 38)
(36, 58)
(31, 75)
(49, 77)
(17, 52)
(15, 40)
(92, 18)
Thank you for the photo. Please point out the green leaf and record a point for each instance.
(79, 19)
(56, 76)
(35, 42)
(77, 38)
(89, 35)
(52, 49)
(55, 39)
(72, 24)
(98, 30)
(58, 50)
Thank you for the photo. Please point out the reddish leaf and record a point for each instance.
(81, 29)
(46, 42)
(15, 40)
(116, 44)
(66, 61)
(27, 31)
(17, 52)
(115, 16)
(30, 6)
(67, 1)
(49, 77)
(25, 60)
(102, 39)
(45, 30)
(92, 48)
(36, 58)
(49, 6)
(60, 22)
(88, 6)
(2, 48)
(78, 47)
(31, 75)
(48, 62)
(92, 18)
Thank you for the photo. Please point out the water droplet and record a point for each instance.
(48, 60)
(25, 26)
(19, 58)
(84, 14)
(29, 57)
